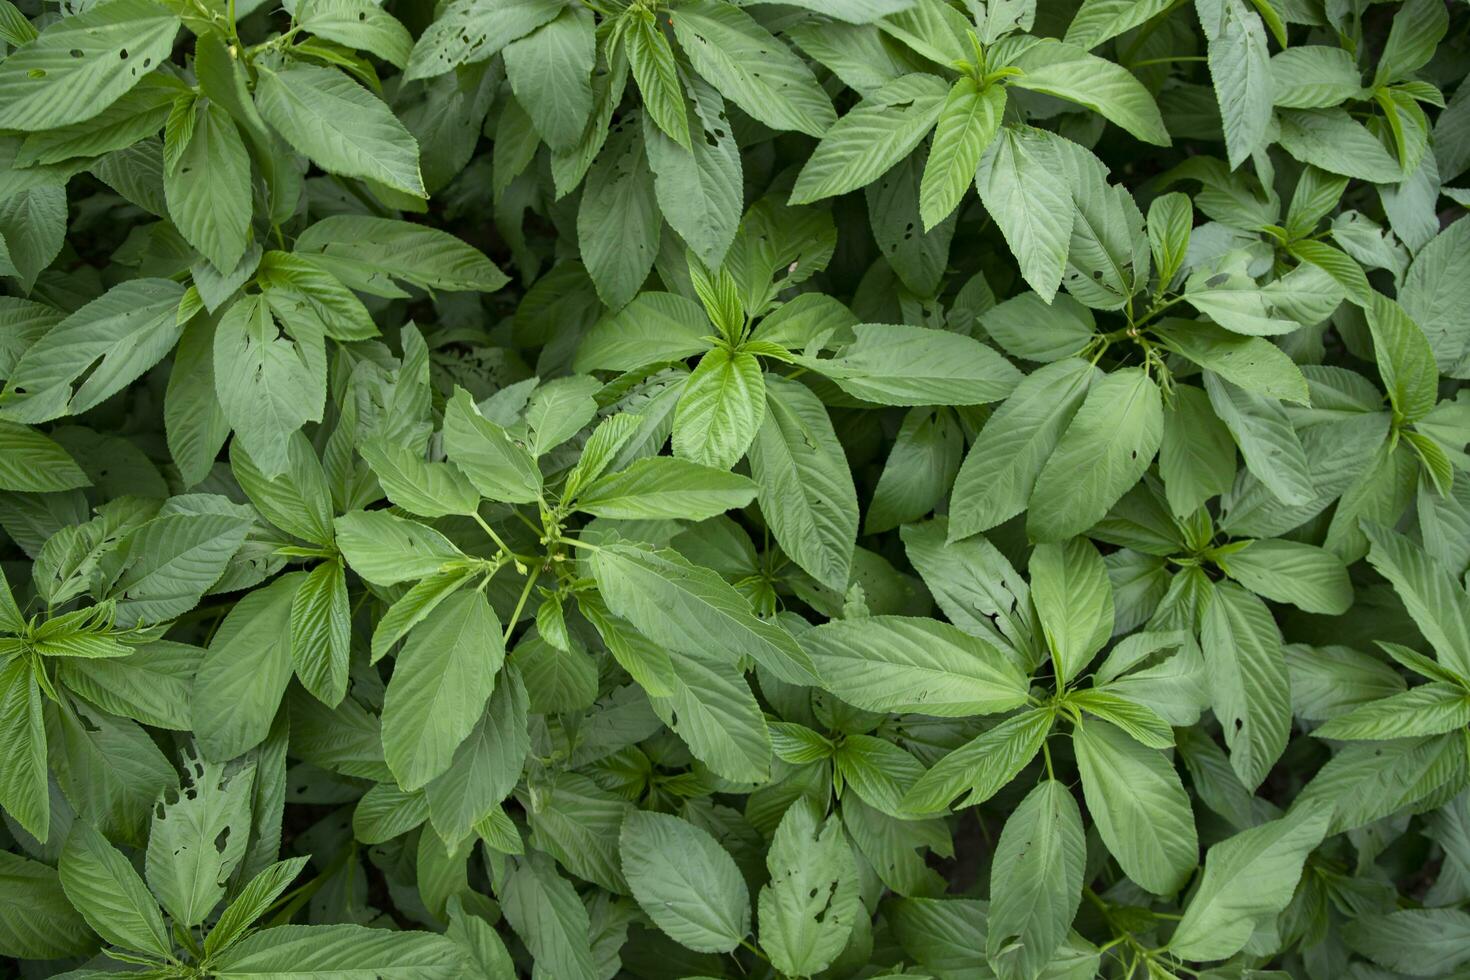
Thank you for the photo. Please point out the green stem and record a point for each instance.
(493, 536)
(527, 521)
(521, 602)
(1173, 59)
(1147, 31)
(754, 949)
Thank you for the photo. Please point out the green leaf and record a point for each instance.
(1140, 807)
(1314, 76)
(803, 483)
(299, 500)
(1365, 782)
(1252, 363)
(1310, 578)
(1069, 72)
(385, 549)
(150, 685)
(545, 911)
(468, 31)
(1234, 300)
(300, 290)
(982, 766)
(486, 766)
(1099, 20)
(23, 791)
(340, 126)
(920, 470)
(808, 909)
(321, 632)
(258, 895)
(1240, 67)
(662, 486)
(80, 65)
(699, 187)
(873, 136)
(242, 678)
(1417, 30)
(685, 607)
(1197, 456)
(498, 466)
(1434, 600)
(197, 839)
(172, 560)
(1104, 451)
(1430, 709)
(1269, 445)
(893, 364)
(1074, 601)
(751, 68)
(685, 881)
(99, 349)
(1170, 220)
(1405, 359)
(720, 409)
(709, 704)
(1248, 880)
(653, 328)
(269, 384)
(104, 888)
(385, 811)
(36, 920)
(441, 680)
(108, 768)
(1332, 140)
(652, 61)
(417, 485)
(996, 480)
(1141, 722)
(1431, 291)
(1419, 942)
(618, 222)
(195, 426)
(364, 251)
(32, 232)
(550, 71)
(967, 124)
(1342, 268)
(1249, 684)
(897, 664)
(1022, 183)
(359, 24)
(207, 182)
(31, 462)
(285, 952)
(1036, 881)
(1028, 327)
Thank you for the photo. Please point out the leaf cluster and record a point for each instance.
(691, 488)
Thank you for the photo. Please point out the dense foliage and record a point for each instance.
(584, 488)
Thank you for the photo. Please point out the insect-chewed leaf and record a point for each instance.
(614, 434)
(80, 65)
(808, 910)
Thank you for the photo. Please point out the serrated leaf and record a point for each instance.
(441, 680)
(340, 126)
(80, 65)
(685, 881)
